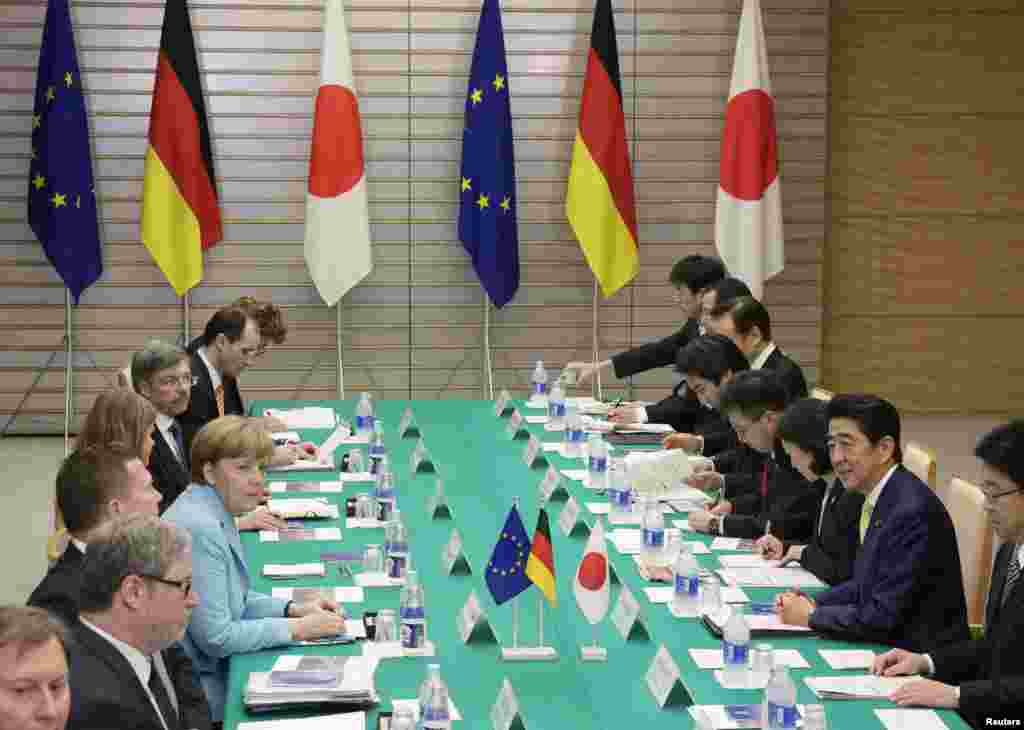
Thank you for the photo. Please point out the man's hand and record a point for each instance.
(897, 662)
(701, 521)
(261, 519)
(585, 370)
(770, 547)
(626, 414)
(794, 609)
(926, 693)
(298, 610)
(316, 625)
(706, 480)
(722, 508)
(685, 441)
(285, 455)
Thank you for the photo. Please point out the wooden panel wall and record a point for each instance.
(413, 328)
(923, 295)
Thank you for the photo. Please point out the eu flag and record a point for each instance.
(487, 203)
(506, 570)
(61, 197)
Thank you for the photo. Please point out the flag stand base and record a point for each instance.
(529, 654)
(593, 654)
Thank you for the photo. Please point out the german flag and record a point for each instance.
(599, 202)
(180, 213)
(540, 568)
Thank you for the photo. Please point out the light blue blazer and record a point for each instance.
(230, 618)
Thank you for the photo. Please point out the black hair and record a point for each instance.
(711, 357)
(229, 321)
(875, 417)
(696, 272)
(746, 313)
(804, 424)
(753, 393)
(1002, 448)
(728, 289)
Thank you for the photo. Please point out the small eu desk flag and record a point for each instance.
(61, 197)
(506, 570)
(487, 197)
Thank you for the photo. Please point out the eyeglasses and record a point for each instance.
(989, 497)
(185, 586)
(186, 381)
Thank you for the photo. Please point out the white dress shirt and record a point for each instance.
(215, 379)
(759, 361)
(163, 424)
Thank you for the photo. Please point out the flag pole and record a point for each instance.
(68, 371)
(337, 338)
(186, 325)
(597, 380)
(540, 620)
(488, 381)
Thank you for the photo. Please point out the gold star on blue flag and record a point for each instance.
(61, 166)
(506, 570)
(490, 235)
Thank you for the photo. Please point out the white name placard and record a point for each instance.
(505, 712)
(626, 615)
(501, 404)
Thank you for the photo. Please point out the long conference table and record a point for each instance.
(482, 470)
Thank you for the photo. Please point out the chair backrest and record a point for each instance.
(920, 460)
(974, 537)
(822, 394)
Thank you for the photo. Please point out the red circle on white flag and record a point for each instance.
(336, 158)
(593, 571)
(749, 161)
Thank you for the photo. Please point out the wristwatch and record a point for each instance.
(715, 525)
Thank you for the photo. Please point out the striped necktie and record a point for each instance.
(219, 395)
(1012, 574)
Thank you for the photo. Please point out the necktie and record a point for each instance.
(175, 430)
(219, 394)
(830, 495)
(865, 518)
(764, 481)
(163, 700)
(1012, 575)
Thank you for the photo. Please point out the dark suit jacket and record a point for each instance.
(106, 693)
(202, 406)
(907, 589)
(789, 372)
(990, 671)
(170, 476)
(655, 354)
(830, 554)
(58, 591)
(790, 503)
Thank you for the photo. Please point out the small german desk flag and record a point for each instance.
(540, 568)
(180, 211)
(599, 202)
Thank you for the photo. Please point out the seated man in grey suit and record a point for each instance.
(135, 601)
(984, 678)
(93, 486)
(33, 670)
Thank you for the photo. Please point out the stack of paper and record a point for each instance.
(770, 577)
(300, 680)
(293, 570)
(314, 508)
(848, 658)
(656, 473)
(347, 721)
(308, 417)
(856, 687)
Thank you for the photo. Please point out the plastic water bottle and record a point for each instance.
(432, 679)
(411, 614)
(573, 440)
(620, 495)
(780, 701)
(539, 378)
(653, 551)
(735, 648)
(686, 575)
(384, 493)
(597, 462)
(556, 407)
(396, 546)
(377, 450)
(434, 714)
(364, 416)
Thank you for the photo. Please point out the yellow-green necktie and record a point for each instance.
(865, 518)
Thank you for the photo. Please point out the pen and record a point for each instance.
(768, 528)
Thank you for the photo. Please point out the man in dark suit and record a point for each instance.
(833, 546)
(907, 589)
(983, 678)
(763, 493)
(747, 323)
(34, 692)
(161, 374)
(93, 486)
(136, 600)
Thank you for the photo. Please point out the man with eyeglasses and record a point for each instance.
(983, 678)
(136, 601)
(94, 486)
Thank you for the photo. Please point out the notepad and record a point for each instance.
(856, 687)
(848, 658)
(341, 594)
(293, 570)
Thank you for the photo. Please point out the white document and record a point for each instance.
(630, 542)
(748, 560)
(772, 622)
(712, 658)
(748, 681)
(536, 419)
(334, 487)
(657, 473)
(643, 427)
(319, 533)
(302, 465)
(342, 594)
(598, 508)
(715, 717)
(308, 417)
(297, 508)
(910, 719)
(771, 577)
(413, 706)
(728, 543)
(577, 475)
(848, 658)
(663, 594)
(856, 686)
(346, 721)
(354, 523)
(378, 580)
(293, 570)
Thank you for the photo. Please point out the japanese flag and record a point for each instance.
(591, 584)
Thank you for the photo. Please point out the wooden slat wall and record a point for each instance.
(413, 328)
(927, 204)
